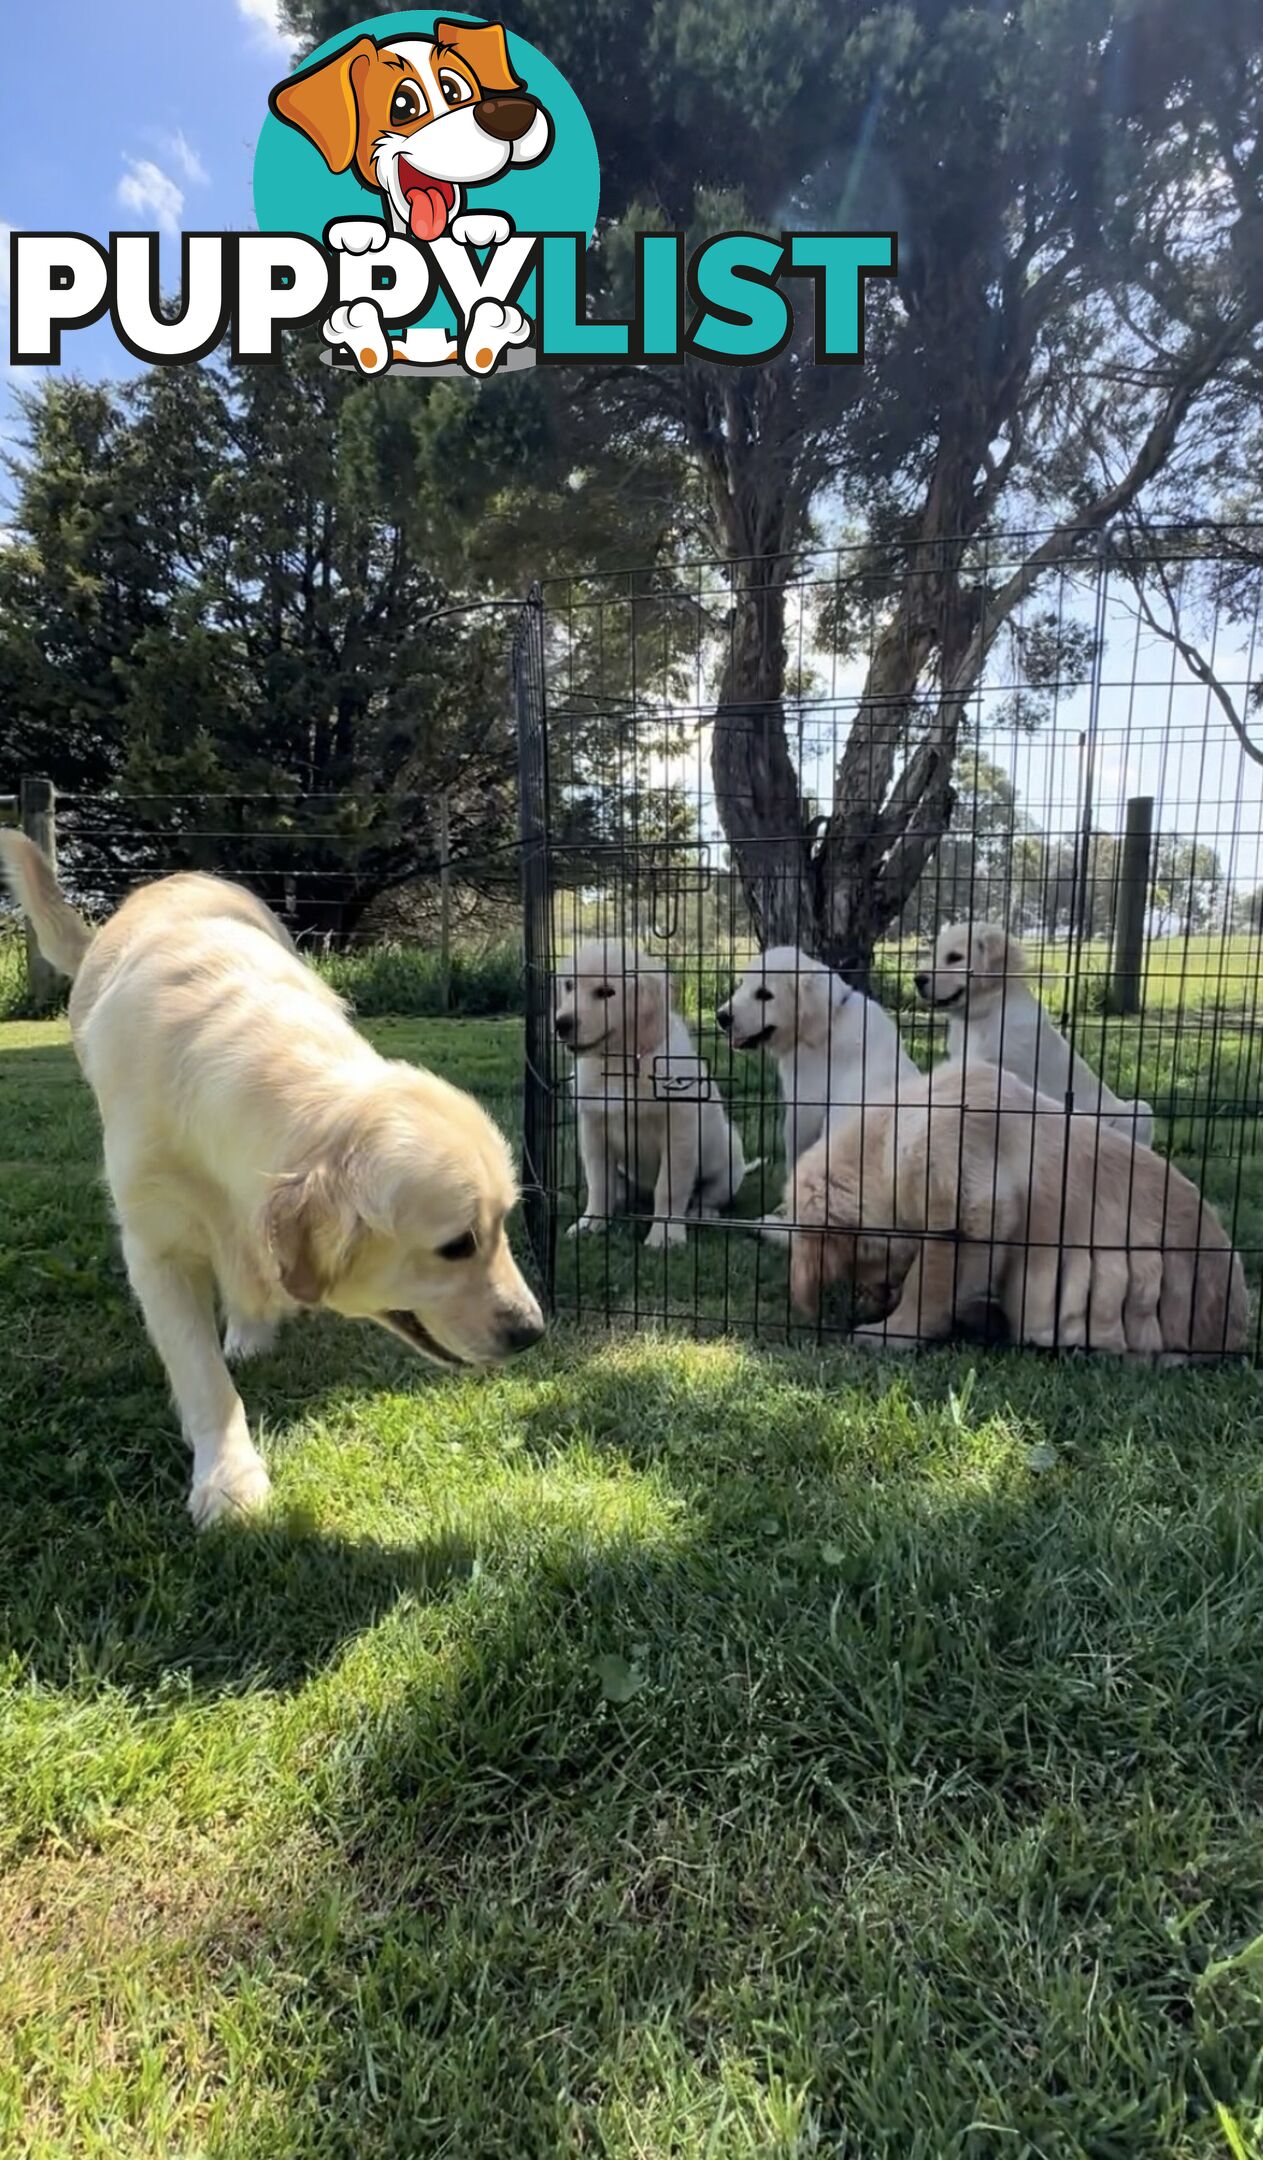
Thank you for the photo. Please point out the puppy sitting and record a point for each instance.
(259, 1150)
(976, 1191)
(650, 1118)
(834, 1047)
(977, 978)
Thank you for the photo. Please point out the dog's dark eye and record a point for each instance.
(764, 997)
(455, 89)
(603, 990)
(405, 105)
(460, 1248)
(954, 959)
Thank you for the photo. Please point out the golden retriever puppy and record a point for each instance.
(257, 1146)
(977, 977)
(974, 1191)
(834, 1047)
(651, 1121)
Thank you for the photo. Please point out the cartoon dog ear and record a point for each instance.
(322, 102)
(311, 1226)
(483, 49)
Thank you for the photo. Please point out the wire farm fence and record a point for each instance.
(1105, 812)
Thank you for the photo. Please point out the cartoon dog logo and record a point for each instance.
(420, 120)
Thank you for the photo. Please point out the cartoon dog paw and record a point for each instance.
(356, 236)
(492, 326)
(358, 324)
(481, 228)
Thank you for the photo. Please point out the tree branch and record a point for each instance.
(1194, 660)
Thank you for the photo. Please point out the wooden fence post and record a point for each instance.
(37, 809)
(1129, 918)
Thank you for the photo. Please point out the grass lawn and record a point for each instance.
(661, 1751)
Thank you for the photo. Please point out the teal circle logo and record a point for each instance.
(431, 128)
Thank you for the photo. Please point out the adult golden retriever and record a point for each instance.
(974, 1192)
(257, 1146)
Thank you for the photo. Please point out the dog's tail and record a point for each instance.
(63, 936)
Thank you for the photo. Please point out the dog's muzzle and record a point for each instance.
(418, 1337)
(757, 1041)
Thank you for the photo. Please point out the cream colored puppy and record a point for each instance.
(256, 1146)
(977, 978)
(834, 1047)
(650, 1117)
(977, 1192)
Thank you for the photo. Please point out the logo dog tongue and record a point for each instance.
(429, 201)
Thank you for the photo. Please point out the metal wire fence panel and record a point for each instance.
(781, 888)
(538, 1154)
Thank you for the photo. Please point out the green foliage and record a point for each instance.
(396, 978)
(377, 979)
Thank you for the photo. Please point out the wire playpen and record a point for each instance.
(732, 776)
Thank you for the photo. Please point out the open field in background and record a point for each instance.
(660, 1751)
(1195, 974)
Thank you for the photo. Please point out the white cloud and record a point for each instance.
(264, 19)
(151, 193)
(180, 149)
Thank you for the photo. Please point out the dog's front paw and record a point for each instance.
(662, 1234)
(481, 228)
(356, 236)
(235, 1485)
(358, 325)
(248, 1338)
(492, 326)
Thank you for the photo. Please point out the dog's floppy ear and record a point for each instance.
(311, 1226)
(817, 1259)
(322, 102)
(815, 1001)
(998, 953)
(482, 47)
(651, 1001)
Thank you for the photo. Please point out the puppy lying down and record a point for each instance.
(261, 1153)
(977, 978)
(1080, 1238)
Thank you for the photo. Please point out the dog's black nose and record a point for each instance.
(522, 1335)
(505, 119)
(922, 981)
(565, 1025)
(723, 1019)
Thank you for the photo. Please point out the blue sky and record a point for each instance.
(162, 101)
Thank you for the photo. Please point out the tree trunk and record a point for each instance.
(756, 786)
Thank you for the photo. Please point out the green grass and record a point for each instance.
(661, 1751)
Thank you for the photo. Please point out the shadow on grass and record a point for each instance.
(892, 1790)
(919, 1822)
